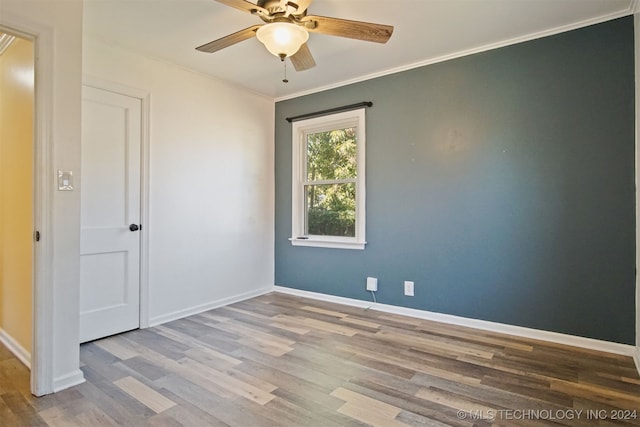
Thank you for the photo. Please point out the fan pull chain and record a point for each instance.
(285, 80)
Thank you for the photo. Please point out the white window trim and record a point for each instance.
(355, 118)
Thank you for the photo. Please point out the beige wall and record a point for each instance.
(16, 191)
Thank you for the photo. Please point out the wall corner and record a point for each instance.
(637, 161)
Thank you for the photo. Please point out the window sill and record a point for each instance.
(326, 243)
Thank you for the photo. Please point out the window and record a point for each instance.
(328, 200)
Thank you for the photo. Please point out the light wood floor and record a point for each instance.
(279, 360)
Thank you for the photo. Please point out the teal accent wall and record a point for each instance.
(501, 183)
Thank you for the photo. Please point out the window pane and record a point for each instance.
(331, 210)
(331, 154)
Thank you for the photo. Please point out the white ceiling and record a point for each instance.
(425, 31)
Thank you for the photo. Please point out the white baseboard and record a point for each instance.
(69, 380)
(14, 347)
(200, 308)
(636, 358)
(555, 337)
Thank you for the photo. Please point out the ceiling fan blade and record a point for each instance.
(245, 6)
(229, 40)
(302, 59)
(367, 31)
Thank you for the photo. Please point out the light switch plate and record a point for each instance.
(408, 288)
(65, 180)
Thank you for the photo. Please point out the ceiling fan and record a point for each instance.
(287, 26)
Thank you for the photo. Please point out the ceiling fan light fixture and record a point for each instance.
(282, 39)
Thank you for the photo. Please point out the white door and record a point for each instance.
(110, 213)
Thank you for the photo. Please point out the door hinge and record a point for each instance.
(36, 236)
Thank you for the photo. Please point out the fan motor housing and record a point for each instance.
(273, 6)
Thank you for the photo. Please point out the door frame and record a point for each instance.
(145, 99)
(41, 360)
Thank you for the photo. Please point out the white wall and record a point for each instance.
(58, 25)
(211, 209)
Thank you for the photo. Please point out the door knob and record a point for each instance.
(134, 227)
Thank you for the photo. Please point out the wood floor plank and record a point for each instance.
(230, 383)
(263, 325)
(412, 419)
(330, 313)
(289, 326)
(258, 340)
(294, 367)
(248, 312)
(7, 416)
(367, 416)
(191, 395)
(140, 367)
(452, 401)
(189, 415)
(366, 409)
(301, 415)
(190, 327)
(403, 397)
(111, 400)
(113, 346)
(429, 344)
(162, 420)
(69, 396)
(292, 388)
(399, 361)
(285, 361)
(95, 417)
(373, 326)
(198, 346)
(56, 417)
(144, 394)
(501, 399)
(19, 406)
(599, 393)
(12, 371)
(214, 317)
(532, 387)
(319, 325)
(475, 336)
(623, 378)
(212, 357)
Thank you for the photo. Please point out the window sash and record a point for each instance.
(352, 119)
(307, 134)
(340, 222)
(331, 181)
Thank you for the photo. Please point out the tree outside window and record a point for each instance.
(331, 204)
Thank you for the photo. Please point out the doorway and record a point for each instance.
(17, 158)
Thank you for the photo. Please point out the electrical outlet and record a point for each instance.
(372, 284)
(408, 288)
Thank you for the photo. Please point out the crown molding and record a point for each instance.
(634, 5)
